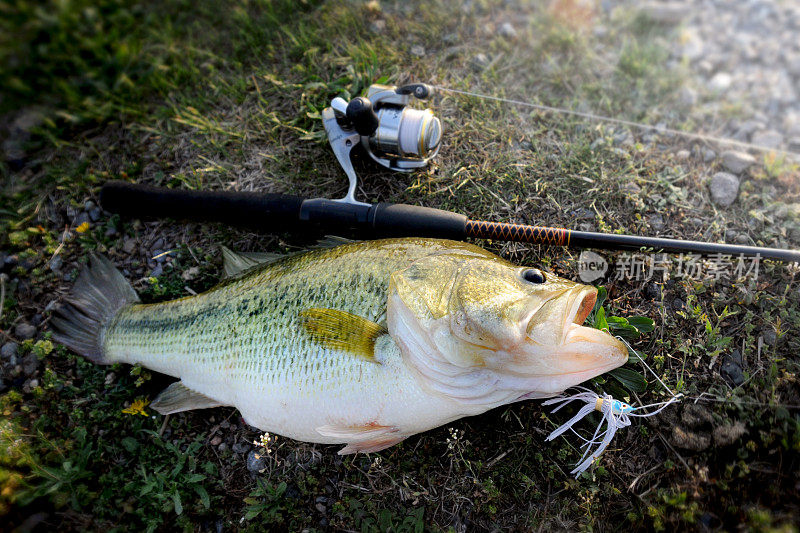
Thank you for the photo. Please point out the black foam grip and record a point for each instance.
(255, 210)
(401, 220)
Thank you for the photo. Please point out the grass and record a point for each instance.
(193, 96)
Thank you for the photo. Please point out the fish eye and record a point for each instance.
(533, 275)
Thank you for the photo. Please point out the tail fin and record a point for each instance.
(97, 296)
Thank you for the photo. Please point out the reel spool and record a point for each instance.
(394, 135)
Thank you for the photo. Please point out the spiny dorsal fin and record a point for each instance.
(178, 397)
(331, 241)
(235, 263)
(340, 330)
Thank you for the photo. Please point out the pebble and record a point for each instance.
(24, 331)
(732, 368)
(190, 273)
(721, 81)
(768, 139)
(742, 238)
(656, 221)
(682, 155)
(256, 461)
(240, 447)
(377, 26)
(157, 271)
(480, 62)
(770, 337)
(8, 350)
(222, 447)
(30, 363)
(418, 50)
(55, 263)
(507, 30)
(129, 246)
(111, 232)
(737, 162)
(216, 441)
(724, 188)
(82, 218)
(665, 12)
(95, 214)
(709, 155)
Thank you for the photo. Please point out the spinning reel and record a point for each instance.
(394, 135)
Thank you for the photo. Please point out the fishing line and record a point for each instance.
(623, 122)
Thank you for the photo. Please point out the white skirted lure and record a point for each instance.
(616, 415)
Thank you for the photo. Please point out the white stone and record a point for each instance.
(737, 162)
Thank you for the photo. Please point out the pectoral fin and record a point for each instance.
(367, 438)
(178, 397)
(340, 330)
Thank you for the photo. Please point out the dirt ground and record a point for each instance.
(190, 95)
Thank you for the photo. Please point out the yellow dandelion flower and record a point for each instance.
(83, 228)
(137, 407)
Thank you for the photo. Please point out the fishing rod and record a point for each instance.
(398, 137)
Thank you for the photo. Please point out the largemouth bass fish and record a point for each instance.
(362, 344)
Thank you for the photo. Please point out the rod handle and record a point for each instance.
(256, 210)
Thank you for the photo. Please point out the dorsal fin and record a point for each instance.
(331, 241)
(234, 263)
(178, 397)
(340, 330)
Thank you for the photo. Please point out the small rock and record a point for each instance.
(33, 383)
(689, 440)
(55, 263)
(724, 188)
(677, 304)
(767, 139)
(30, 363)
(652, 291)
(129, 246)
(240, 447)
(82, 218)
(224, 424)
(665, 12)
(742, 238)
(377, 26)
(770, 337)
(95, 214)
(721, 81)
(157, 271)
(110, 377)
(256, 462)
(222, 447)
(24, 331)
(9, 350)
(190, 273)
(682, 155)
(111, 232)
(507, 30)
(687, 96)
(418, 50)
(732, 368)
(656, 221)
(88, 205)
(737, 162)
(729, 433)
(709, 155)
(216, 441)
(159, 244)
(320, 508)
(480, 62)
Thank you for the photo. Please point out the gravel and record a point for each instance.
(9, 350)
(737, 162)
(30, 364)
(724, 188)
(24, 331)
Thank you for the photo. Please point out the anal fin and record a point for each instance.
(178, 397)
(365, 438)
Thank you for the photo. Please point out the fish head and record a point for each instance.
(478, 327)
